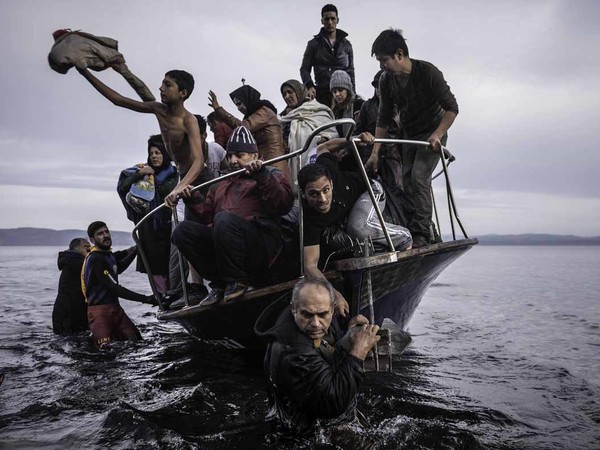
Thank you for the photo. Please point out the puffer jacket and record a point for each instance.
(325, 60)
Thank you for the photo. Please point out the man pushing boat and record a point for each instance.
(100, 285)
(313, 370)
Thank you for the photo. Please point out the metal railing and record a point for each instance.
(294, 154)
(444, 154)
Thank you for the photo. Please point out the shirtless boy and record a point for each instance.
(179, 127)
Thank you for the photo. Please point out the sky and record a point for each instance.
(523, 73)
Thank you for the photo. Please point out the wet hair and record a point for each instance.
(329, 8)
(184, 81)
(201, 123)
(93, 227)
(312, 172)
(389, 42)
(77, 242)
(317, 282)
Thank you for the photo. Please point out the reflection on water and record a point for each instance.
(498, 361)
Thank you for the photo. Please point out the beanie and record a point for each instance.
(341, 80)
(241, 140)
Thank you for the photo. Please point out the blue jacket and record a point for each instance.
(100, 277)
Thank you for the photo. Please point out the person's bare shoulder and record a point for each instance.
(190, 122)
(158, 107)
(188, 117)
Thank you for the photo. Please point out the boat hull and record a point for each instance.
(398, 287)
(399, 280)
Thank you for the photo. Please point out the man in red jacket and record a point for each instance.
(239, 236)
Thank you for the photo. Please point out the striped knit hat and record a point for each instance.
(241, 141)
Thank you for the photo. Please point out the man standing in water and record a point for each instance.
(310, 379)
(179, 127)
(100, 285)
(70, 311)
(326, 52)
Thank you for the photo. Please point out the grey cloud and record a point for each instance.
(523, 74)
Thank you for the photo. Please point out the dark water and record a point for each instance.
(505, 354)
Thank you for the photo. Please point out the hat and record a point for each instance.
(375, 82)
(341, 80)
(241, 140)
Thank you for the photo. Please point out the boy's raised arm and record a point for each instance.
(115, 97)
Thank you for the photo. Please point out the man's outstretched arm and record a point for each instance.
(116, 98)
(138, 85)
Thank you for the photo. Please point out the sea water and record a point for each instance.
(505, 353)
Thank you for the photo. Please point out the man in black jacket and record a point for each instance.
(418, 91)
(70, 311)
(327, 52)
(309, 379)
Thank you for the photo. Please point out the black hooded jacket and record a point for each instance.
(307, 383)
(325, 59)
(70, 310)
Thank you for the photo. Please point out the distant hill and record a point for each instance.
(536, 239)
(45, 236)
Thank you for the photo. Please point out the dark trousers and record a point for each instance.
(418, 164)
(324, 96)
(110, 323)
(233, 249)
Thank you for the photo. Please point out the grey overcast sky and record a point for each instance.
(524, 74)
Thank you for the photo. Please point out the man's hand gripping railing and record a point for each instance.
(135, 232)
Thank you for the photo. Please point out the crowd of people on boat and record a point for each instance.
(232, 232)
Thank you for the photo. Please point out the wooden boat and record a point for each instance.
(381, 285)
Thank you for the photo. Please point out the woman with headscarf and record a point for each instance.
(260, 117)
(160, 177)
(300, 118)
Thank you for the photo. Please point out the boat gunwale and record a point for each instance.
(379, 259)
(340, 266)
